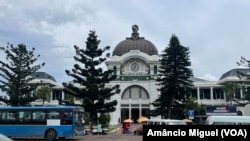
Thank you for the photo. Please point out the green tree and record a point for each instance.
(91, 78)
(15, 74)
(43, 93)
(192, 104)
(69, 98)
(230, 89)
(174, 80)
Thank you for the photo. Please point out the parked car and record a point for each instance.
(4, 138)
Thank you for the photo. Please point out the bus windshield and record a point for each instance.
(79, 119)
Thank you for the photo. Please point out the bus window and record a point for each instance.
(8, 117)
(79, 119)
(12, 116)
(24, 116)
(38, 117)
(4, 115)
(66, 118)
(67, 115)
(53, 115)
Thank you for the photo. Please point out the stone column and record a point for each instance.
(129, 109)
(140, 108)
(198, 95)
(211, 93)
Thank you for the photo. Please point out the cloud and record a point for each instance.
(217, 32)
(209, 77)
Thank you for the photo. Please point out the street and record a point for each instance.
(113, 137)
(109, 137)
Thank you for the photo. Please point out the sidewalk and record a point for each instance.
(115, 129)
(118, 128)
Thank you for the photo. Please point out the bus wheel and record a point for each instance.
(51, 135)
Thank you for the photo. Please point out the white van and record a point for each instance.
(165, 122)
(228, 120)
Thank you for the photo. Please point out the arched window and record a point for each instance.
(135, 92)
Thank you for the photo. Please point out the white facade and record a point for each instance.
(138, 79)
(136, 68)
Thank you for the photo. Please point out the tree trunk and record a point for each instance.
(170, 108)
(43, 100)
(92, 119)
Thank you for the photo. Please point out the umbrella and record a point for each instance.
(128, 121)
(142, 119)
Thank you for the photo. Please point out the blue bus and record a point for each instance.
(48, 122)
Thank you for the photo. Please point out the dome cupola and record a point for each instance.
(135, 43)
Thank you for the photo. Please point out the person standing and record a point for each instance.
(126, 127)
(99, 128)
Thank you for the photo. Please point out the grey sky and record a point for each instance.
(216, 31)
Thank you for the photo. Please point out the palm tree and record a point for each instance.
(230, 89)
(70, 98)
(192, 104)
(43, 93)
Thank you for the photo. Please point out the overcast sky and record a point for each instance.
(217, 32)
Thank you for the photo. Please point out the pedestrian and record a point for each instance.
(91, 128)
(126, 128)
(99, 128)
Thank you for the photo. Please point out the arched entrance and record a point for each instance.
(135, 103)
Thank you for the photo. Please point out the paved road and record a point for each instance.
(109, 137)
(114, 136)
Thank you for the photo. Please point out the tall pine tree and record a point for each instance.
(15, 72)
(174, 81)
(92, 78)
